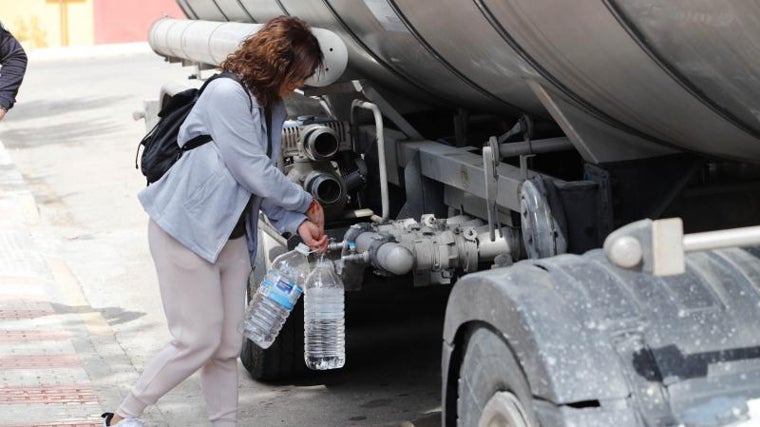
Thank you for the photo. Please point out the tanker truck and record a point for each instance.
(583, 177)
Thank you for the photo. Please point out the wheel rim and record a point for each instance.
(504, 410)
(541, 232)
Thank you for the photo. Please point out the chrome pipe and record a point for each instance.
(383, 167)
(209, 42)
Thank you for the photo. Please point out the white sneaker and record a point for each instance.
(126, 422)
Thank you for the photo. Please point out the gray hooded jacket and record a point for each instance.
(199, 200)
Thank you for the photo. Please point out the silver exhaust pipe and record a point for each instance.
(209, 42)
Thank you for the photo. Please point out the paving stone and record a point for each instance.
(44, 382)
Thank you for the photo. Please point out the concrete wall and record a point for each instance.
(44, 23)
(129, 20)
(50, 23)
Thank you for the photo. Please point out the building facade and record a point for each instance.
(51, 23)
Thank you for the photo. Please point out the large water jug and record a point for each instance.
(276, 296)
(324, 318)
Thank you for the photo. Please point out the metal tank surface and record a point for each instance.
(682, 74)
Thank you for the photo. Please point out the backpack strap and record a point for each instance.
(196, 142)
(268, 114)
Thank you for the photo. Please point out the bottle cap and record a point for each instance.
(302, 248)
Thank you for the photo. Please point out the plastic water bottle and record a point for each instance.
(324, 318)
(277, 295)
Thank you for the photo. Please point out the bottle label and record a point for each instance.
(280, 290)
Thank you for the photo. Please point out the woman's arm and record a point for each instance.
(283, 220)
(311, 233)
(237, 135)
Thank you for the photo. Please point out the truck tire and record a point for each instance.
(284, 358)
(492, 390)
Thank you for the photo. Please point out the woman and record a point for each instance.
(201, 209)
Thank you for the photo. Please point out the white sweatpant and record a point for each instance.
(204, 303)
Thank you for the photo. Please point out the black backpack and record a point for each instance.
(160, 148)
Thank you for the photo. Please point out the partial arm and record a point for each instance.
(282, 219)
(312, 234)
(236, 134)
(13, 60)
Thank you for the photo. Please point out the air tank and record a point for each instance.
(681, 74)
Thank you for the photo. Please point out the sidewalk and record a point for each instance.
(78, 263)
(54, 345)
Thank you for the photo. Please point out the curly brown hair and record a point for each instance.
(284, 51)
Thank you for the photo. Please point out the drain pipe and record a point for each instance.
(357, 103)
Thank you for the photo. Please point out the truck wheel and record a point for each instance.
(284, 358)
(492, 389)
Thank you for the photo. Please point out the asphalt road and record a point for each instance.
(73, 138)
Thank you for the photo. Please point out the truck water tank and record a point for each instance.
(679, 73)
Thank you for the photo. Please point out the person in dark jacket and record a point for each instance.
(12, 69)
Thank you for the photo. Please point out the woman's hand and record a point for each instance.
(313, 236)
(316, 215)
